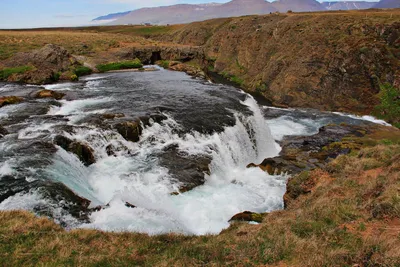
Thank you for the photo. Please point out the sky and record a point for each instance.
(52, 13)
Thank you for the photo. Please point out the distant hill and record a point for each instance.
(186, 13)
(298, 5)
(388, 4)
(348, 5)
(111, 16)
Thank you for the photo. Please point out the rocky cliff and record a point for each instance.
(331, 61)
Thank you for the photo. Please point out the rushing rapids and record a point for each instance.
(186, 174)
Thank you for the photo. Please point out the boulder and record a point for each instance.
(247, 216)
(9, 100)
(189, 170)
(130, 130)
(84, 152)
(49, 94)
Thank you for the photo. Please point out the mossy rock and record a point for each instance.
(248, 216)
(10, 100)
(49, 94)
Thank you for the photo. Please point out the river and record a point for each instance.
(204, 124)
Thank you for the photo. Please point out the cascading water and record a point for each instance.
(205, 122)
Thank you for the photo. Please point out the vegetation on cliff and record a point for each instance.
(389, 108)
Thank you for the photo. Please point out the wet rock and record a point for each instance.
(155, 117)
(84, 152)
(129, 205)
(3, 131)
(49, 94)
(130, 130)
(55, 195)
(62, 141)
(70, 202)
(10, 100)
(247, 216)
(99, 208)
(111, 116)
(187, 169)
(301, 153)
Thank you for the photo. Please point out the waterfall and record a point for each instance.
(230, 188)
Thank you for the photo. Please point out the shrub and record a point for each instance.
(7, 72)
(56, 76)
(82, 70)
(389, 108)
(129, 64)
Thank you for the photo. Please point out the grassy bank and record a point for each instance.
(350, 216)
(7, 72)
(129, 64)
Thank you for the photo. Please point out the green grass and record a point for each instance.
(7, 72)
(389, 108)
(237, 80)
(82, 70)
(164, 63)
(131, 64)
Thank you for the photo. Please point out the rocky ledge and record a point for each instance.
(301, 154)
(48, 64)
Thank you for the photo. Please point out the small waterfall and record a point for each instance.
(230, 188)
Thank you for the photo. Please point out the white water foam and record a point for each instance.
(134, 175)
(76, 106)
(365, 118)
(229, 189)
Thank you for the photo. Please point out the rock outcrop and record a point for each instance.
(301, 153)
(48, 64)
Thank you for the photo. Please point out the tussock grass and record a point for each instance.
(77, 42)
(350, 217)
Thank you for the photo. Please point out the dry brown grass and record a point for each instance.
(350, 217)
(76, 42)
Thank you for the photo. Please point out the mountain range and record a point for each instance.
(186, 13)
